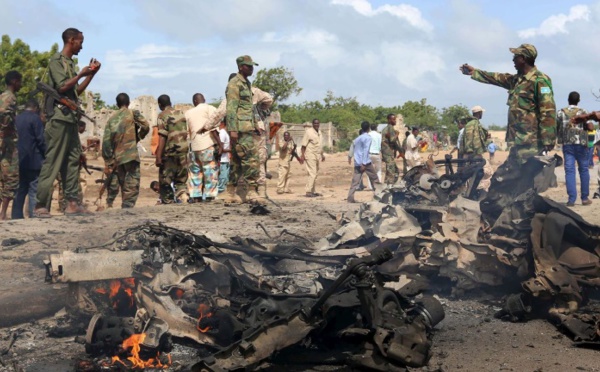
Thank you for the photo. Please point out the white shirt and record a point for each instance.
(411, 151)
(198, 118)
(375, 148)
(226, 145)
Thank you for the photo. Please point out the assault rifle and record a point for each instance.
(52, 98)
(106, 181)
(295, 154)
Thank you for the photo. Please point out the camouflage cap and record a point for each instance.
(245, 60)
(525, 50)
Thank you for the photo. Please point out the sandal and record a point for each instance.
(41, 213)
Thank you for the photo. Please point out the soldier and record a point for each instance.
(203, 176)
(171, 154)
(9, 158)
(119, 149)
(532, 112)
(389, 147)
(241, 125)
(531, 127)
(286, 155)
(474, 138)
(261, 103)
(64, 146)
(312, 156)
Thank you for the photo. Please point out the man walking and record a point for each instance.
(474, 137)
(122, 133)
(389, 147)
(31, 149)
(203, 176)
(225, 150)
(492, 150)
(63, 145)
(362, 161)
(171, 154)
(312, 156)
(9, 158)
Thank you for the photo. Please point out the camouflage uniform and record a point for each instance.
(172, 125)
(473, 141)
(240, 118)
(261, 101)
(119, 149)
(62, 138)
(112, 191)
(389, 146)
(531, 110)
(9, 159)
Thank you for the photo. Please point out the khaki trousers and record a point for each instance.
(312, 167)
(284, 175)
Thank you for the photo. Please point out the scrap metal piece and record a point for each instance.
(96, 265)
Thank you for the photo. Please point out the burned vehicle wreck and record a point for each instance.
(241, 304)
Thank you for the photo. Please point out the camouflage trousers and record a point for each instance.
(9, 168)
(391, 169)
(173, 170)
(203, 176)
(245, 162)
(112, 191)
(260, 144)
(128, 179)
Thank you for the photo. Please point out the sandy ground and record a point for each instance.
(469, 339)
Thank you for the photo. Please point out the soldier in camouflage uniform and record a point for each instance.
(62, 140)
(389, 147)
(532, 113)
(474, 138)
(119, 149)
(9, 159)
(171, 154)
(531, 127)
(241, 125)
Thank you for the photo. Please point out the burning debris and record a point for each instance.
(349, 299)
(242, 304)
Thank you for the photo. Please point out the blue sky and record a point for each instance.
(382, 52)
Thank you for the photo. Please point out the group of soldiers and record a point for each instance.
(194, 147)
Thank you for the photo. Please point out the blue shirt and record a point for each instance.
(30, 142)
(492, 147)
(375, 143)
(361, 150)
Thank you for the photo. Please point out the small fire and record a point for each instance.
(179, 293)
(119, 286)
(132, 345)
(204, 312)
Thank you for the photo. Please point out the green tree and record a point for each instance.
(449, 119)
(31, 64)
(420, 114)
(279, 82)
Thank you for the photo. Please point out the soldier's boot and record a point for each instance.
(230, 196)
(241, 191)
(258, 194)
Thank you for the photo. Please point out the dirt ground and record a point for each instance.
(469, 339)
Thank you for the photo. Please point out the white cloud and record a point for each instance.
(557, 24)
(403, 11)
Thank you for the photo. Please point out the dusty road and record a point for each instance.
(469, 339)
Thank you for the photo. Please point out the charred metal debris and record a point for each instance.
(348, 299)
(242, 304)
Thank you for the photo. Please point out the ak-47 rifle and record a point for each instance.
(54, 98)
(295, 154)
(106, 181)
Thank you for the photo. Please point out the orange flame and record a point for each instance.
(115, 286)
(137, 362)
(179, 293)
(204, 311)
